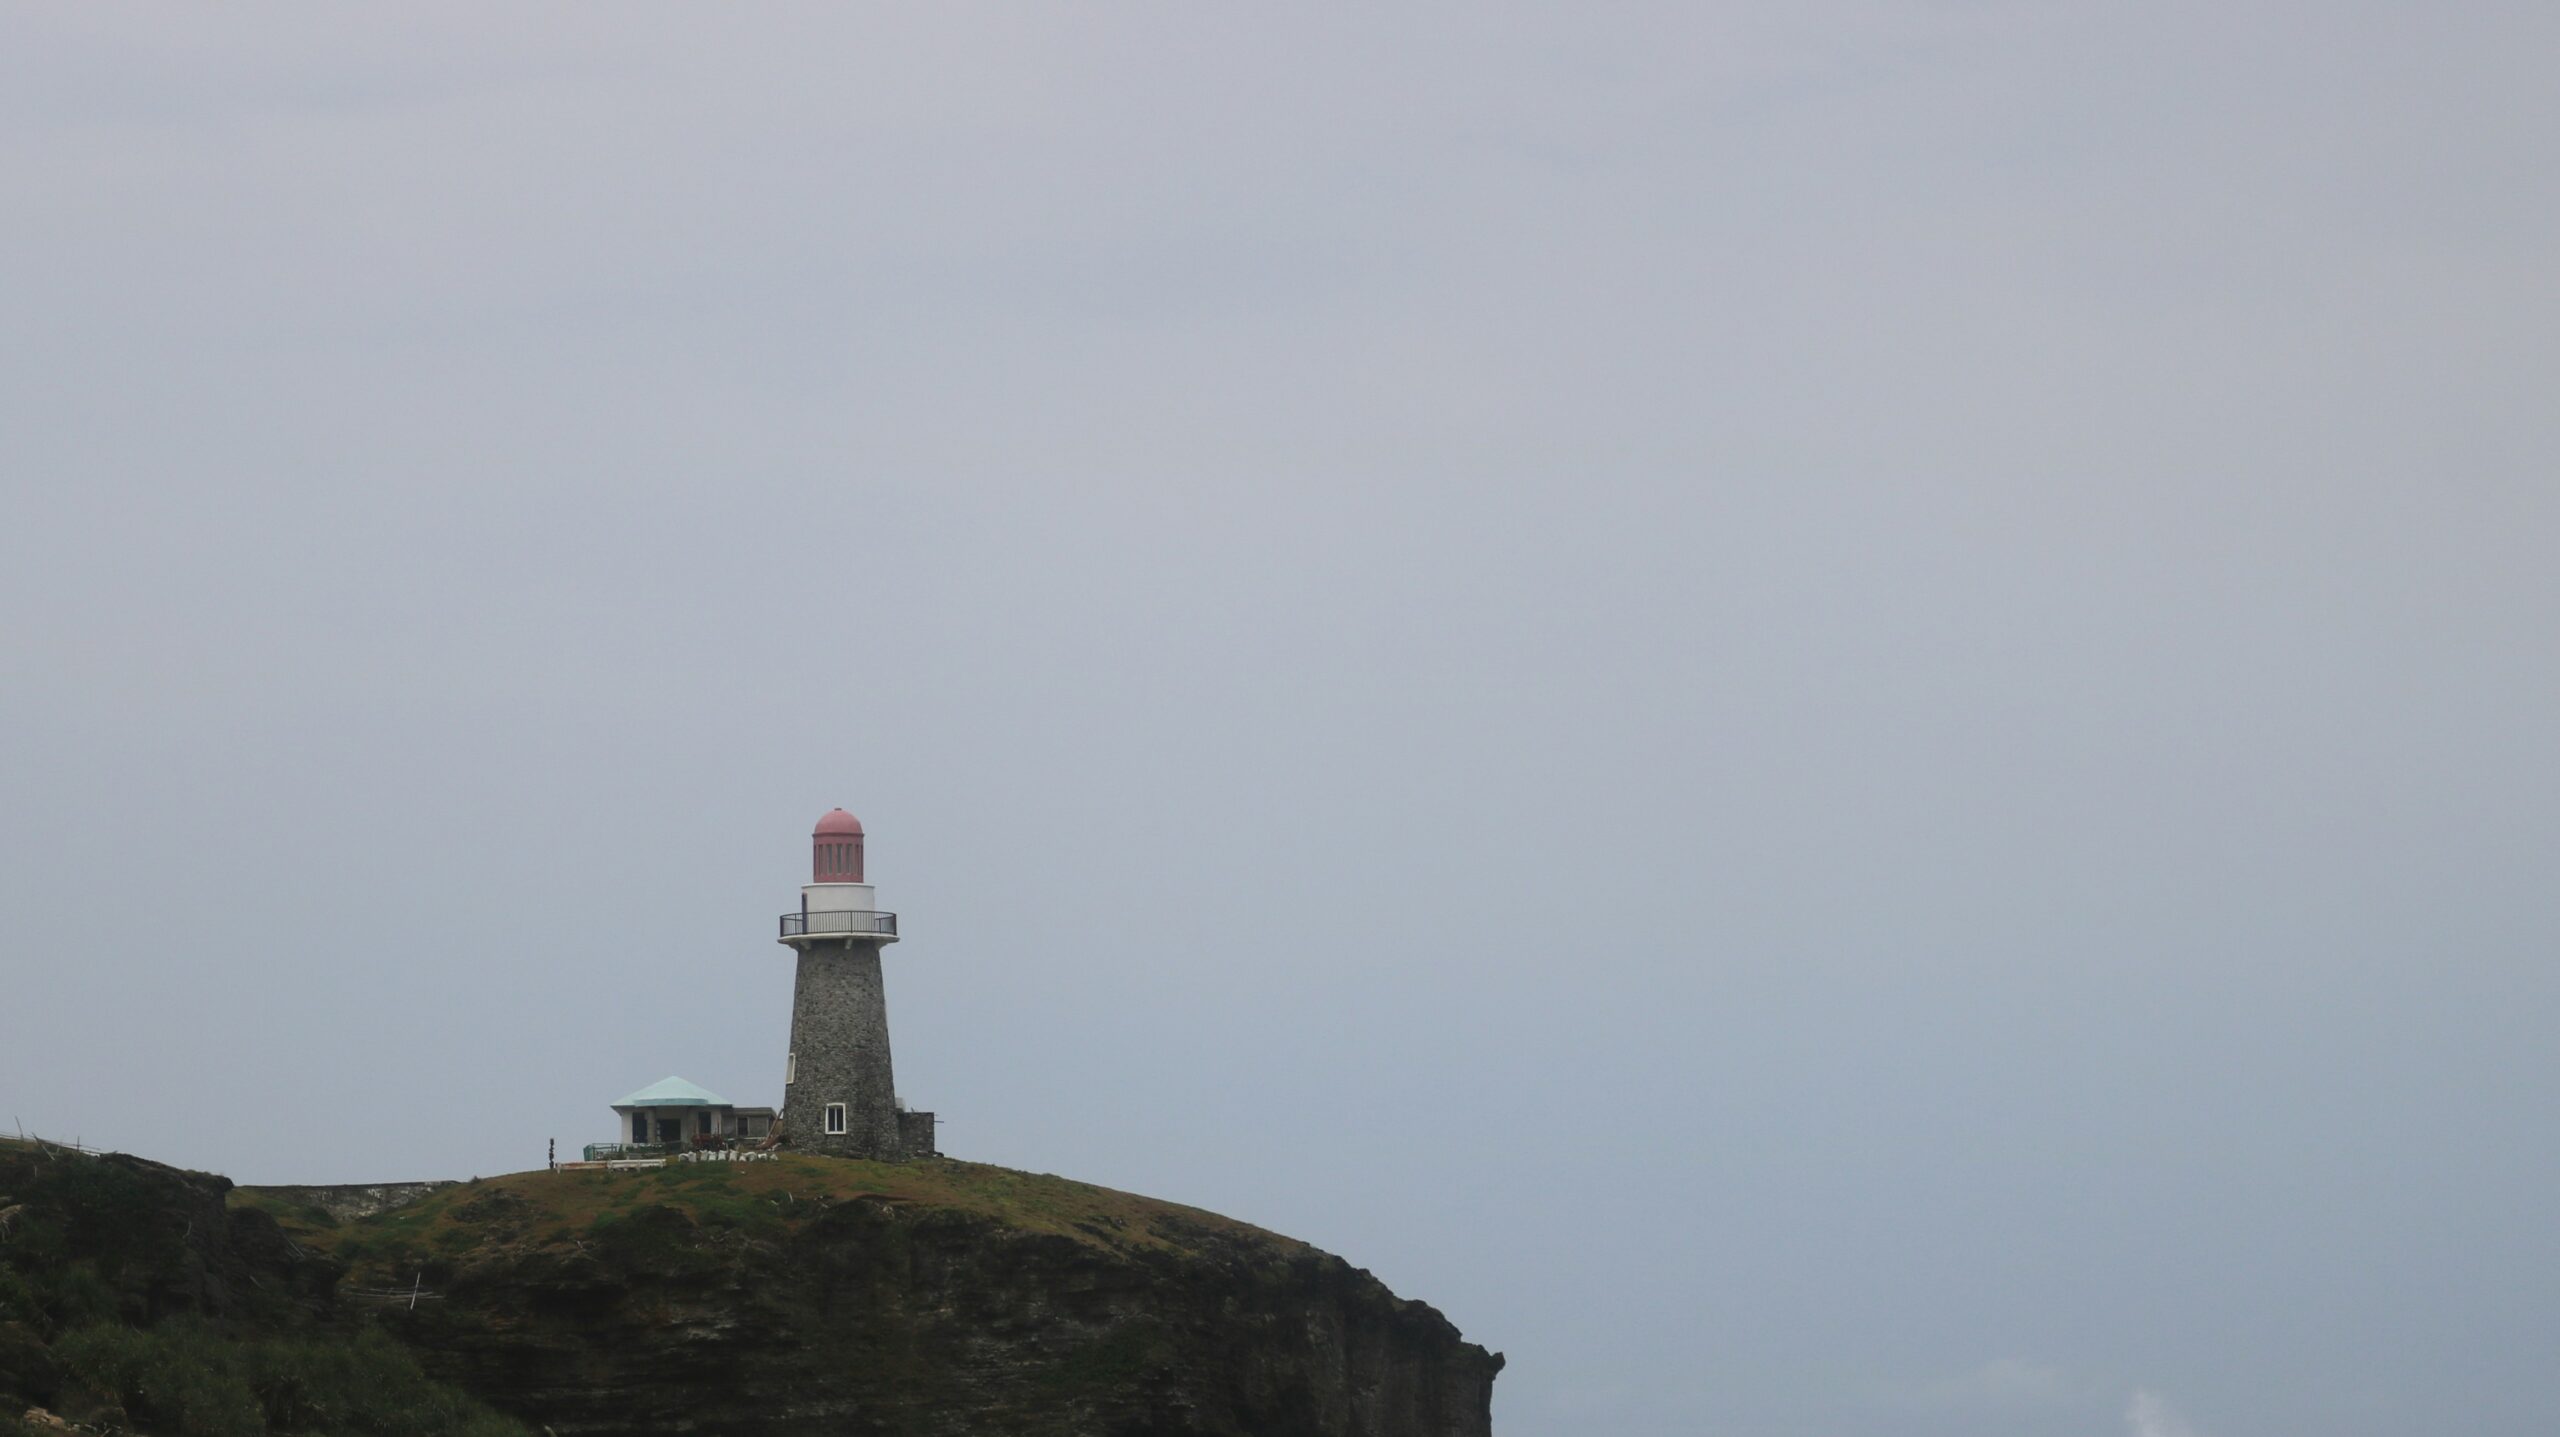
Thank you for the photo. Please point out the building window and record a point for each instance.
(835, 1117)
(639, 1127)
(790, 1069)
(702, 1123)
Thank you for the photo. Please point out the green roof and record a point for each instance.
(673, 1093)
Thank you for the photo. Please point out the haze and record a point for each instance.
(1837, 716)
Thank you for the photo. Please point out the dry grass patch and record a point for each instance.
(754, 1201)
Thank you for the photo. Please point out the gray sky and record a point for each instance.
(1840, 716)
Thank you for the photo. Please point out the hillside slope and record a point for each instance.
(133, 1299)
(816, 1295)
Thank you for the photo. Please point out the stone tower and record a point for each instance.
(838, 1094)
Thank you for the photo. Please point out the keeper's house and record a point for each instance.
(672, 1113)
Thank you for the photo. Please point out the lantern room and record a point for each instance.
(835, 849)
(837, 905)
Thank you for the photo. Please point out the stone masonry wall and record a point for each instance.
(840, 1047)
(915, 1135)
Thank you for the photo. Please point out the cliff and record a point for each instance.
(135, 1298)
(800, 1296)
(340, 1202)
(817, 1295)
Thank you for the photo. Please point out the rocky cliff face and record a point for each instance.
(815, 1295)
(346, 1202)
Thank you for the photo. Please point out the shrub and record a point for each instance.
(109, 1213)
(181, 1379)
(19, 1302)
(370, 1385)
(184, 1379)
(658, 1240)
(57, 1299)
(81, 1297)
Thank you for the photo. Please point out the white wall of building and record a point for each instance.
(838, 898)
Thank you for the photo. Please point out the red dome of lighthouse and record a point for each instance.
(835, 849)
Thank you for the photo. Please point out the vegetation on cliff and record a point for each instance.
(131, 1297)
(726, 1206)
(804, 1295)
(826, 1295)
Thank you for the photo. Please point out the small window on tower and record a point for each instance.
(790, 1069)
(835, 1117)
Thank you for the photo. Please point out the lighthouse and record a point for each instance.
(838, 1094)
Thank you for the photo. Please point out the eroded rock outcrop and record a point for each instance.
(348, 1202)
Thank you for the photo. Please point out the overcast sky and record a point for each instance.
(1839, 716)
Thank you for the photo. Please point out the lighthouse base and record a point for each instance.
(839, 1094)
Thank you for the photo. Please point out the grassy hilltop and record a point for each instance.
(623, 1214)
(800, 1297)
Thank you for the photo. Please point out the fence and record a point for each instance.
(57, 1144)
(854, 922)
(409, 1296)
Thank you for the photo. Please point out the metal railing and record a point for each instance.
(696, 1144)
(861, 923)
(609, 1152)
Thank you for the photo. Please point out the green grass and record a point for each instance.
(618, 1214)
(81, 1225)
(189, 1379)
(298, 1220)
(89, 1241)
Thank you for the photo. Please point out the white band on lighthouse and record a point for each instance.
(838, 898)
